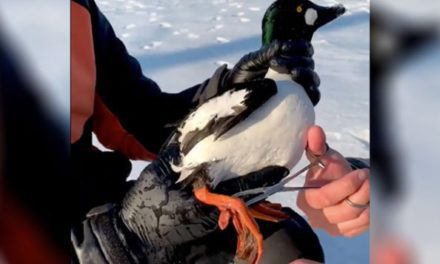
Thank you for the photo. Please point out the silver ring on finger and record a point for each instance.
(356, 205)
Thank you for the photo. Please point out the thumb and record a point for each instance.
(316, 141)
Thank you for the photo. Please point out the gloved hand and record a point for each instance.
(164, 215)
(291, 57)
(295, 58)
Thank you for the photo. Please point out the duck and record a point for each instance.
(250, 127)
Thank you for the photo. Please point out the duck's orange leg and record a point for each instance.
(247, 229)
(268, 211)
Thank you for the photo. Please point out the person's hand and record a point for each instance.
(290, 57)
(341, 205)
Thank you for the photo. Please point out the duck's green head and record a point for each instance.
(296, 19)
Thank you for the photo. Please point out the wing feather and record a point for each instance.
(219, 114)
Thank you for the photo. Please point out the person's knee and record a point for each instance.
(293, 237)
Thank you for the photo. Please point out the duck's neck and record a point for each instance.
(276, 76)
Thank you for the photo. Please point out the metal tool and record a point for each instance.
(265, 192)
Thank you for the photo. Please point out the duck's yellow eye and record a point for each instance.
(299, 9)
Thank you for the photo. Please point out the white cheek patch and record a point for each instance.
(311, 15)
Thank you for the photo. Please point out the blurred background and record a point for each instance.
(38, 32)
(34, 131)
(34, 120)
(405, 96)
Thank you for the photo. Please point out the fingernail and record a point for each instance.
(362, 174)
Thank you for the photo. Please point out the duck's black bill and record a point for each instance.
(328, 14)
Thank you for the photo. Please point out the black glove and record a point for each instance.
(161, 215)
(254, 65)
(295, 58)
(292, 57)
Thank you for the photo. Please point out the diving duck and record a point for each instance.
(247, 128)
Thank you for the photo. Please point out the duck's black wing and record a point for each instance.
(217, 123)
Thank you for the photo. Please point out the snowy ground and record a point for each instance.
(180, 43)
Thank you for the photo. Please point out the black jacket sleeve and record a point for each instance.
(142, 108)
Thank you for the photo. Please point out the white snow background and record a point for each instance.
(181, 43)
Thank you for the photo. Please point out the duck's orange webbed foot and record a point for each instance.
(249, 240)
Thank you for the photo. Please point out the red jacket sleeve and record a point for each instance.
(112, 135)
(142, 109)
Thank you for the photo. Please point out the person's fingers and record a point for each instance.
(316, 141)
(297, 48)
(256, 62)
(335, 167)
(274, 48)
(305, 76)
(362, 196)
(303, 205)
(317, 220)
(285, 65)
(357, 231)
(304, 65)
(346, 228)
(335, 191)
(343, 211)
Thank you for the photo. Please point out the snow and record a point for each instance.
(181, 43)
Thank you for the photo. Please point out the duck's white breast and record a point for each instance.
(274, 134)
